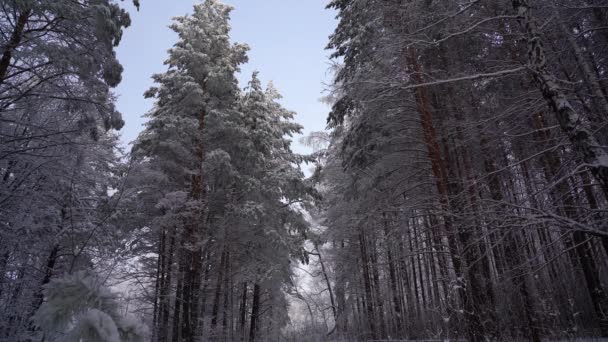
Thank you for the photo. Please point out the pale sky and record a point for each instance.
(287, 40)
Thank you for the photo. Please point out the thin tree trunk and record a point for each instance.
(414, 282)
(580, 245)
(207, 263)
(379, 303)
(218, 292)
(593, 205)
(192, 248)
(255, 311)
(4, 263)
(475, 329)
(177, 317)
(371, 317)
(513, 256)
(48, 273)
(160, 277)
(327, 283)
(342, 319)
(227, 292)
(587, 71)
(243, 312)
(392, 275)
(164, 299)
(587, 147)
(14, 41)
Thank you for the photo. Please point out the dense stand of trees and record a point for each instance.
(460, 193)
(465, 179)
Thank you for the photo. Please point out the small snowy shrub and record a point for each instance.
(79, 308)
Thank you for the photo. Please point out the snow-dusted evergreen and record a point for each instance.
(59, 161)
(222, 188)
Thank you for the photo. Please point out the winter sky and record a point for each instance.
(287, 40)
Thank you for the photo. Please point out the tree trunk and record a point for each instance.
(227, 292)
(392, 274)
(513, 257)
(595, 289)
(593, 205)
(243, 312)
(589, 74)
(48, 273)
(177, 317)
(587, 147)
(164, 298)
(476, 331)
(14, 41)
(192, 243)
(160, 276)
(328, 284)
(379, 303)
(207, 263)
(255, 312)
(218, 292)
(371, 317)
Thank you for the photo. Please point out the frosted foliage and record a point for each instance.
(200, 80)
(70, 59)
(225, 153)
(203, 61)
(78, 307)
(132, 330)
(94, 325)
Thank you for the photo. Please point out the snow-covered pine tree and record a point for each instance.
(272, 200)
(58, 150)
(198, 89)
(248, 221)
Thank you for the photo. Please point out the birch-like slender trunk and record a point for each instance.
(587, 147)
